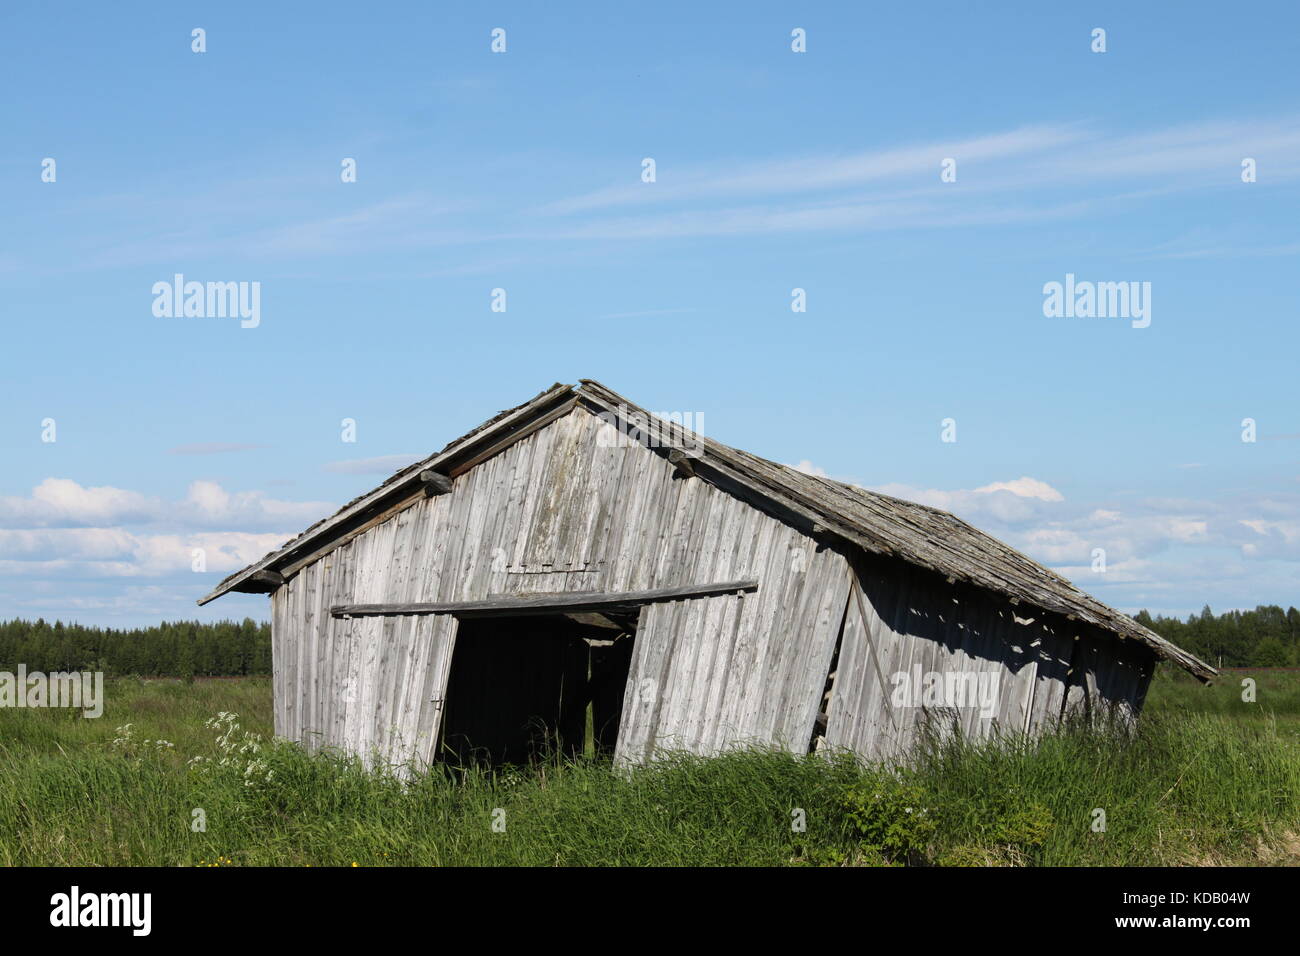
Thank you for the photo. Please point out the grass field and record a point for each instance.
(1208, 779)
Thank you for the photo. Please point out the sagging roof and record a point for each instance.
(878, 524)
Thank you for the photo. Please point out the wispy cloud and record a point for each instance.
(1010, 177)
(648, 312)
(813, 173)
(381, 465)
(900, 187)
(213, 448)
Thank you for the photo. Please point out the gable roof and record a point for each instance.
(878, 524)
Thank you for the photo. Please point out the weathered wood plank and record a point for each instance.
(545, 603)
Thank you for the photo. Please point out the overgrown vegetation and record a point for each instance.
(1208, 778)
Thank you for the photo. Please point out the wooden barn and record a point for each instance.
(578, 569)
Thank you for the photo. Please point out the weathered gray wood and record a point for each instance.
(504, 606)
(396, 489)
(648, 531)
(260, 582)
(514, 436)
(879, 524)
(549, 516)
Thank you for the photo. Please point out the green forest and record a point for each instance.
(170, 649)
(1265, 637)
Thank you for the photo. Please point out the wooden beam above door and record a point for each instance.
(510, 605)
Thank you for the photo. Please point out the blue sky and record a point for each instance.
(775, 170)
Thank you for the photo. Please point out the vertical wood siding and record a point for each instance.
(561, 510)
(903, 620)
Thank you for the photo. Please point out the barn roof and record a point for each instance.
(878, 524)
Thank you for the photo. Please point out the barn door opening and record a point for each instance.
(523, 688)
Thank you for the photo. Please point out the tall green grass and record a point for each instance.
(1276, 695)
(1191, 786)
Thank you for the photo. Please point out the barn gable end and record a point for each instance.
(560, 512)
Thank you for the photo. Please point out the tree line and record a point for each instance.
(169, 649)
(1265, 637)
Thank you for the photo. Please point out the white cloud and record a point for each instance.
(1010, 502)
(115, 553)
(1024, 487)
(48, 544)
(808, 468)
(1159, 551)
(69, 547)
(62, 502)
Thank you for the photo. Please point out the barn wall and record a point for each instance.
(738, 669)
(1111, 676)
(561, 511)
(905, 621)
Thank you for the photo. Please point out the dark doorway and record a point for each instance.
(522, 688)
